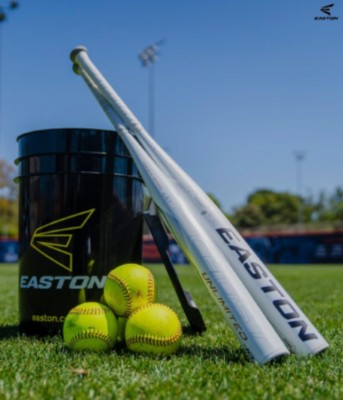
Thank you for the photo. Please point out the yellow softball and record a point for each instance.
(129, 287)
(90, 326)
(154, 328)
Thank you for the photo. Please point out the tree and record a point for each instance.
(249, 215)
(8, 199)
(215, 200)
(7, 175)
(266, 207)
(329, 208)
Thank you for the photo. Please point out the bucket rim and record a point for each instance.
(64, 129)
(117, 175)
(73, 153)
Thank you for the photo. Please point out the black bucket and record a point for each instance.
(80, 205)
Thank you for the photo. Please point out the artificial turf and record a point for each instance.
(207, 366)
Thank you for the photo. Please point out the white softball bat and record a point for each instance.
(290, 322)
(251, 327)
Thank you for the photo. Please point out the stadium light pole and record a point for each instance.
(148, 57)
(12, 5)
(299, 158)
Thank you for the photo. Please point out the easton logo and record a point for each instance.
(53, 239)
(326, 10)
(256, 271)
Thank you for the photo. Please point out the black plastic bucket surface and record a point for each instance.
(80, 207)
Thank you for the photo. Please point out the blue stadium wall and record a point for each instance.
(8, 250)
(276, 248)
(299, 248)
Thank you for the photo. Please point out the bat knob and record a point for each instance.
(76, 51)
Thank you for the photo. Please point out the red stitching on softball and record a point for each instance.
(91, 334)
(151, 287)
(89, 311)
(125, 291)
(156, 341)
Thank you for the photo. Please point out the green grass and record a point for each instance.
(210, 366)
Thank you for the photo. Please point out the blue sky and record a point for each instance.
(240, 85)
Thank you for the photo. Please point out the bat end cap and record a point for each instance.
(76, 51)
